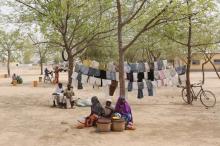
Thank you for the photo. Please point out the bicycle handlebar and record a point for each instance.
(192, 85)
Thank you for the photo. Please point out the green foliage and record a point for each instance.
(88, 18)
(11, 45)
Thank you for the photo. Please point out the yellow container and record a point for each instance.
(35, 83)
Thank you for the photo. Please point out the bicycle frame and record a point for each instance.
(195, 95)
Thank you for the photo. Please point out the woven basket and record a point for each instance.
(103, 125)
(118, 125)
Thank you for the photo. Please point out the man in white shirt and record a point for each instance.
(57, 95)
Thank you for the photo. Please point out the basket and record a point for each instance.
(34, 83)
(103, 125)
(40, 79)
(14, 82)
(118, 125)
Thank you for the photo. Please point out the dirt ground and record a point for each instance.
(26, 118)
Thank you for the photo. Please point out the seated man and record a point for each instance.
(109, 109)
(68, 95)
(17, 78)
(57, 95)
(14, 77)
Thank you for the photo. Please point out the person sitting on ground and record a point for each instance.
(109, 109)
(96, 112)
(57, 95)
(123, 108)
(68, 95)
(14, 77)
(17, 78)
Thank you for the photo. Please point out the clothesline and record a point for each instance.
(138, 76)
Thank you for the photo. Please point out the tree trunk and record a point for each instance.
(8, 63)
(188, 84)
(70, 68)
(121, 52)
(41, 66)
(173, 62)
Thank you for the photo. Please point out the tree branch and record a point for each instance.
(132, 17)
(145, 28)
(29, 6)
(171, 38)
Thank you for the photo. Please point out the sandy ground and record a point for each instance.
(163, 120)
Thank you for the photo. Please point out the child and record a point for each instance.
(68, 95)
(109, 109)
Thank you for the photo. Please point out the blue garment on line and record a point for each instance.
(130, 86)
(150, 87)
(111, 75)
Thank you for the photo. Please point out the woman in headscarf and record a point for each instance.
(123, 108)
(96, 111)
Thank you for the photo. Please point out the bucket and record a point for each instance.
(34, 83)
(40, 79)
(118, 125)
(103, 125)
(14, 82)
(5, 75)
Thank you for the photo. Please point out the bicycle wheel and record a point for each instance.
(184, 96)
(208, 98)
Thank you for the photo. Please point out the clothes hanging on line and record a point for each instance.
(151, 75)
(79, 78)
(140, 76)
(133, 75)
(112, 87)
(140, 90)
(181, 70)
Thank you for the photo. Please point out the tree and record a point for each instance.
(27, 52)
(76, 23)
(199, 27)
(149, 21)
(10, 45)
(41, 49)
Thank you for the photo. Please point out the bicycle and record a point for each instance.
(49, 77)
(207, 98)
